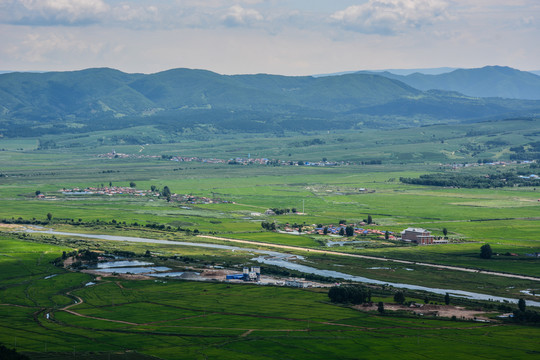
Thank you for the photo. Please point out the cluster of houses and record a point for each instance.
(116, 155)
(411, 235)
(257, 161)
(192, 199)
(126, 190)
(108, 190)
(493, 163)
(337, 230)
(233, 161)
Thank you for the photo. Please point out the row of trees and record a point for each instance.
(471, 181)
(270, 226)
(349, 294)
(278, 211)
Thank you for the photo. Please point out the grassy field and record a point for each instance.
(216, 321)
(178, 319)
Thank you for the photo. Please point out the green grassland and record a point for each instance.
(178, 319)
(209, 320)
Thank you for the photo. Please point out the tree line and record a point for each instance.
(471, 181)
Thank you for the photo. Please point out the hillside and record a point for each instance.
(489, 81)
(175, 100)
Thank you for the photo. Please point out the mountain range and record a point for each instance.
(32, 104)
(489, 81)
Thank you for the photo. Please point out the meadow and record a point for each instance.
(173, 319)
(179, 319)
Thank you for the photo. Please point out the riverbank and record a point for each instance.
(284, 260)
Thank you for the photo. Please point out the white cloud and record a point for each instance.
(238, 16)
(75, 13)
(53, 12)
(139, 15)
(391, 16)
(37, 47)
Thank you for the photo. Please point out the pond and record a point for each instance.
(134, 270)
(122, 263)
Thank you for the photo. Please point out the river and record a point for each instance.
(284, 260)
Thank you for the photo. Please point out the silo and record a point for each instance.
(257, 271)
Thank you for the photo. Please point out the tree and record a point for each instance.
(325, 231)
(347, 294)
(380, 307)
(447, 299)
(445, 232)
(342, 222)
(399, 297)
(369, 219)
(11, 354)
(166, 193)
(38, 192)
(341, 232)
(153, 188)
(132, 184)
(349, 231)
(386, 235)
(486, 252)
(521, 304)
(49, 216)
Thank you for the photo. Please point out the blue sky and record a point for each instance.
(296, 37)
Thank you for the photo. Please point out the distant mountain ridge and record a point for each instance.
(178, 99)
(427, 71)
(489, 81)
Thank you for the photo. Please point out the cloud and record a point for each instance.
(73, 13)
(51, 46)
(388, 17)
(53, 12)
(238, 16)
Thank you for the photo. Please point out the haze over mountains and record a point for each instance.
(489, 81)
(98, 99)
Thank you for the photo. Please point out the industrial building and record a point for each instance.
(253, 274)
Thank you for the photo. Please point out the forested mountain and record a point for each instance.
(98, 99)
(489, 81)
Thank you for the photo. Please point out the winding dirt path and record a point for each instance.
(448, 267)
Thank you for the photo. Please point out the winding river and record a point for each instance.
(284, 260)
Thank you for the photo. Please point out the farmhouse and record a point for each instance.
(417, 235)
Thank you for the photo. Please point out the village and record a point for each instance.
(231, 161)
(412, 235)
(133, 191)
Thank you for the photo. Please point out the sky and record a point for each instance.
(294, 37)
